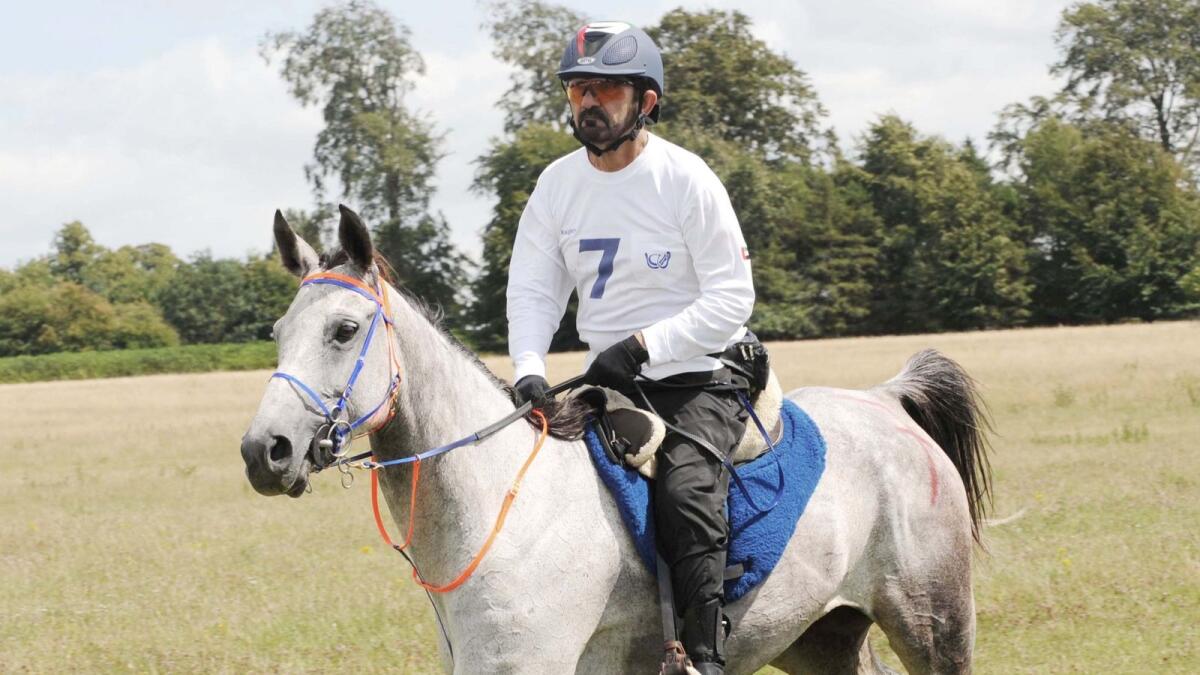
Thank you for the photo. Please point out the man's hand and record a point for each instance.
(533, 388)
(618, 365)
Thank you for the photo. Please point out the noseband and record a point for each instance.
(336, 428)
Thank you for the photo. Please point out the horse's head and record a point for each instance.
(338, 370)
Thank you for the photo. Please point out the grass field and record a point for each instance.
(130, 540)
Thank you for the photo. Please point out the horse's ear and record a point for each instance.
(298, 257)
(355, 239)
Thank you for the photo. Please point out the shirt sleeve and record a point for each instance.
(538, 289)
(722, 263)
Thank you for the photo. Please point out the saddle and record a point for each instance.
(631, 436)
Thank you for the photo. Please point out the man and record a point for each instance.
(645, 233)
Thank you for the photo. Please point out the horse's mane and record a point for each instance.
(567, 418)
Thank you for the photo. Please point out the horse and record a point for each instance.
(887, 537)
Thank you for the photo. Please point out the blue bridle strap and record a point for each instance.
(340, 429)
(304, 388)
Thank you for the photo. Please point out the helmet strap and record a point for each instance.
(638, 125)
(634, 130)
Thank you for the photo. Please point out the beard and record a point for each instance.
(595, 127)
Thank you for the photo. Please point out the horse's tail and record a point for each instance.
(943, 399)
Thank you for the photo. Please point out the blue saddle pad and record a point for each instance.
(758, 537)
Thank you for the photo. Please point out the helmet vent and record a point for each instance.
(621, 51)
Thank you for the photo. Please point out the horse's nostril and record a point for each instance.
(281, 449)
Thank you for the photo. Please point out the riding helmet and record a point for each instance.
(614, 49)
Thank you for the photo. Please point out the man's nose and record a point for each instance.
(588, 96)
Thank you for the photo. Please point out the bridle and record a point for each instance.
(330, 444)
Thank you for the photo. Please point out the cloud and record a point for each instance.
(948, 66)
(193, 148)
(194, 145)
(459, 91)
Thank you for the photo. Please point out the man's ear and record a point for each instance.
(298, 257)
(649, 100)
(355, 239)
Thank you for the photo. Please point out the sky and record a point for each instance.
(161, 122)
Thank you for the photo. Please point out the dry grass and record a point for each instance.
(130, 540)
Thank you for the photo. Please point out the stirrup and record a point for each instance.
(675, 659)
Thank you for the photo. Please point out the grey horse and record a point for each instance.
(887, 536)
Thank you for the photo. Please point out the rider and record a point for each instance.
(644, 231)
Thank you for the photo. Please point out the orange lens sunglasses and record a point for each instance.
(604, 90)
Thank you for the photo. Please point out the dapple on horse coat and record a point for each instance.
(887, 536)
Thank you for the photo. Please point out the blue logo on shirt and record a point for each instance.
(658, 261)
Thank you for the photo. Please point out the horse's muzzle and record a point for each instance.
(272, 466)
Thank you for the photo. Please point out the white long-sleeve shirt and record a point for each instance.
(654, 247)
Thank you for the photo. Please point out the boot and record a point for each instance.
(704, 632)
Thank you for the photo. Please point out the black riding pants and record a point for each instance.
(692, 483)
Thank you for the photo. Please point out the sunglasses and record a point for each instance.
(604, 90)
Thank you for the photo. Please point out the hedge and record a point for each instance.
(126, 362)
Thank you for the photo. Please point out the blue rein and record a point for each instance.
(339, 429)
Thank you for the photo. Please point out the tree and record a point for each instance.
(510, 170)
(74, 251)
(838, 248)
(530, 35)
(211, 301)
(131, 273)
(315, 227)
(1136, 62)
(1114, 231)
(949, 259)
(357, 64)
(65, 316)
(747, 111)
(723, 81)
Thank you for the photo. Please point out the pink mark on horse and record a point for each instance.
(904, 426)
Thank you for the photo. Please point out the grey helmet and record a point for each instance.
(614, 49)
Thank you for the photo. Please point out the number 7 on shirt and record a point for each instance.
(608, 249)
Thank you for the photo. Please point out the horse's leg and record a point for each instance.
(928, 613)
(836, 643)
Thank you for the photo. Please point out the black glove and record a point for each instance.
(533, 388)
(616, 366)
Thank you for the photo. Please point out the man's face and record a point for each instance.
(601, 108)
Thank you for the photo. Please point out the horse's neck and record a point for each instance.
(444, 396)
(444, 393)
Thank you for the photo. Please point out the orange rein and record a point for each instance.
(379, 295)
(487, 544)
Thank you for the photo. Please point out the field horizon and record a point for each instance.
(131, 541)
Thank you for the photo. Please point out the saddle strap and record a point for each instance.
(666, 601)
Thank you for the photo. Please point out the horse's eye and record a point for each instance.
(345, 331)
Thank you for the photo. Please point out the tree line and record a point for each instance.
(84, 297)
(1083, 208)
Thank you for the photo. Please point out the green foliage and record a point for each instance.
(949, 258)
(74, 250)
(774, 120)
(510, 170)
(1135, 61)
(357, 63)
(427, 263)
(131, 273)
(530, 36)
(210, 301)
(315, 227)
(34, 273)
(769, 202)
(838, 248)
(65, 316)
(722, 80)
(129, 362)
(1115, 233)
